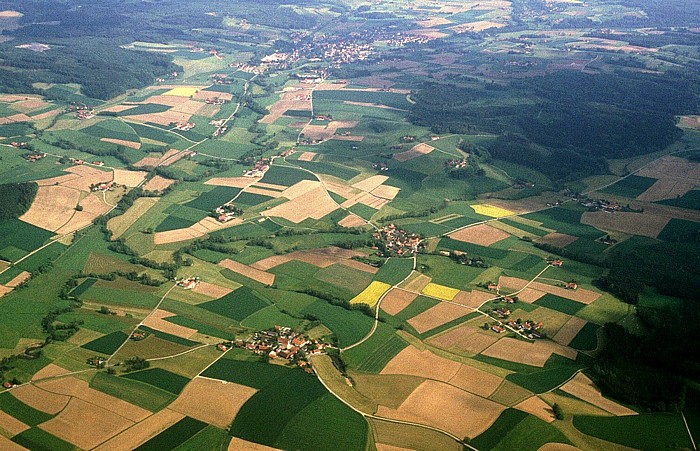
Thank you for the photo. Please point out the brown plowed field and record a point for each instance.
(534, 354)
(672, 167)
(370, 183)
(39, 399)
(397, 300)
(482, 234)
(436, 316)
(18, 279)
(212, 401)
(583, 388)
(415, 152)
(473, 298)
(93, 206)
(233, 182)
(11, 425)
(627, 222)
(121, 142)
(538, 408)
(557, 239)
(307, 156)
(248, 271)
(158, 183)
(211, 290)
(476, 381)
(465, 339)
(529, 295)
(142, 432)
(85, 425)
(314, 204)
(425, 364)
(322, 258)
(446, 407)
(129, 178)
(569, 330)
(352, 220)
(386, 192)
(53, 206)
(669, 188)
(50, 370)
(290, 100)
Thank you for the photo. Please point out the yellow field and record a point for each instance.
(440, 291)
(490, 210)
(182, 91)
(371, 294)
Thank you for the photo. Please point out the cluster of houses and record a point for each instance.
(464, 258)
(457, 163)
(220, 79)
(530, 329)
(602, 205)
(185, 126)
(288, 152)
(403, 39)
(188, 282)
(138, 335)
(397, 241)
(97, 361)
(280, 343)
(248, 68)
(32, 157)
(215, 101)
(226, 212)
(259, 168)
(380, 166)
(170, 76)
(82, 115)
(103, 186)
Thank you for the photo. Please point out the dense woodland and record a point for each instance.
(16, 198)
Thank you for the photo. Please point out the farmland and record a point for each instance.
(475, 223)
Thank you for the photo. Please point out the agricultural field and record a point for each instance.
(329, 225)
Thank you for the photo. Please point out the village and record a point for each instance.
(282, 344)
(391, 240)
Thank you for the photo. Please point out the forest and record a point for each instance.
(16, 198)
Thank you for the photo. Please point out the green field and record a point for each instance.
(631, 186)
(24, 413)
(160, 378)
(638, 431)
(236, 305)
(373, 355)
(17, 238)
(690, 200)
(175, 435)
(587, 338)
(107, 344)
(515, 429)
(679, 230)
(169, 337)
(131, 390)
(83, 287)
(559, 304)
(215, 198)
(38, 439)
(394, 270)
(286, 176)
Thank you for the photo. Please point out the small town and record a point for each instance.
(281, 343)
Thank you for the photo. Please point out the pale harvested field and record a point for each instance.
(429, 33)
(370, 183)
(557, 239)
(482, 234)
(434, 22)
(129, 178)
(85, 425)
(70, 386)
(120, 224)
(367, 199)
(238, 444)
(204, 94)
(340, 189)
(18, 279)
(121, 142)
(359, 266)
(233, 182)
(672, 167)
(87, 176)
(158, 183)
(4, 290)
(464, 338)
(416, 283)
(534, 354)
(8, 445)
(425, 364)
(299, 189)
(446, 407)
(480, 25)
(583, 388)
(580, 295)
(46, 115)
(569, 331)
(39, 399)
(93, 206)
(156, 320)
(314, 204)
(15, 97)
(189, 107)
(667, 188)
(538, 408)
(307, 156)
(141, 432)
(415, 152)
(352, 220)
(212, 401)
(11, 425)
(171, 101)
(557, 447)
(529, 295)
(263, 192)
(512, 282)
(248, 271)
(386, 192)
(322, 258)
(172, 159)
(211, 290)
(53, 206)
(290, 100)
(29, 105)
(437, 316)
(198, 230)
(118, 108)
(690, 122)
(50, 370)
(21, 117)
(510, 394)
(473, 298)
(165, 118)
(626, 222)
(325, 132)
(271, 186)
(476, 381)
(397, 300)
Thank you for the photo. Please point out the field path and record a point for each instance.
(140, 324)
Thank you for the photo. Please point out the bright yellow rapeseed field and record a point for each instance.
(182, 91)
(440, 291)
(371, 294)
(490, 210)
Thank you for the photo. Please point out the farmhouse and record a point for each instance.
(188, 283)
